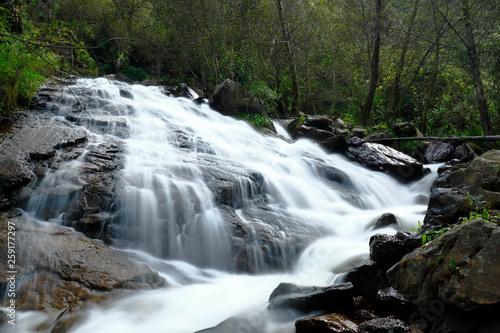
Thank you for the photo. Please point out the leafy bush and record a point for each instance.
(135, 74)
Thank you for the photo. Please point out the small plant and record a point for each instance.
(481, 210)
(453, 265)
(430, 235)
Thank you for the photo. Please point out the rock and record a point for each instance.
(360, 132)
(235, 325)
(231, 98)
(449, 194)
(438, 152)
(390, 302)
(331, 142)
(459, 268)
(383, 158)
(464, 153)
(384, 325)
(264, 239)
(59, 267)
(182, 90)
(368, 279)
(320, 122)
(386, 220)
(405, 129)
(303, 300)
(333, 322)
(339, 123)
(386, 250)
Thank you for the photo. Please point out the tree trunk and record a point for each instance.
(475, 66)
(374, 66)
(431, 88)
(391, 112)
(291, 59)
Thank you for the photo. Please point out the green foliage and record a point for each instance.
(481, 209)
(452, 265)
(21, 74)
(268, 96)
(28, 59)
(258, 120)
(135, 74)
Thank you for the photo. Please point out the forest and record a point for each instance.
(371, 62)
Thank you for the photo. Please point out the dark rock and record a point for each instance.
(386, 220)
(389, 301)
(368, 279)
(337, 298)
(291, 124)
(383, 158)
(363, 315)
(479, 178)
(182, 90)
(438, 152)
(405, 129)
(386, 250)
(231, 98)
(458, 268)
(320, 122)
(59, 267)
(333, 322)
(384, 325)
(331, 142)
(464, 153)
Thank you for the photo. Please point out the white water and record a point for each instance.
(164, 188)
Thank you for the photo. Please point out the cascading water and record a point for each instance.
(204, 199)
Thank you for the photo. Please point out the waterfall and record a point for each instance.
(222, 212)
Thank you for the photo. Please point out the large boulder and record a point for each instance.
(459, 268)
(57, 267)
(289, 300)
(383, 158)
(231, 98)
(464, 188)
(439, 152)
(320, 122)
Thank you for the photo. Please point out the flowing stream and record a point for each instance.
(188, 174)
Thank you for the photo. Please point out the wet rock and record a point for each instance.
(384, 325)
(265, 239)
(320, 122)
(231, 98)
(390, 302)
(386, 250)
(479, 178)
(337, 298)
(183, 90)
(233, 325)
(383, 158)
(459, 268)
(368, 279)
(331, 142)
(438, 152)
(386, 220)
(333, 322)
(57, 267)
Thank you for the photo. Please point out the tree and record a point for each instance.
(374, 64)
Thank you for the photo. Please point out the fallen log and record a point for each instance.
(458, 139)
